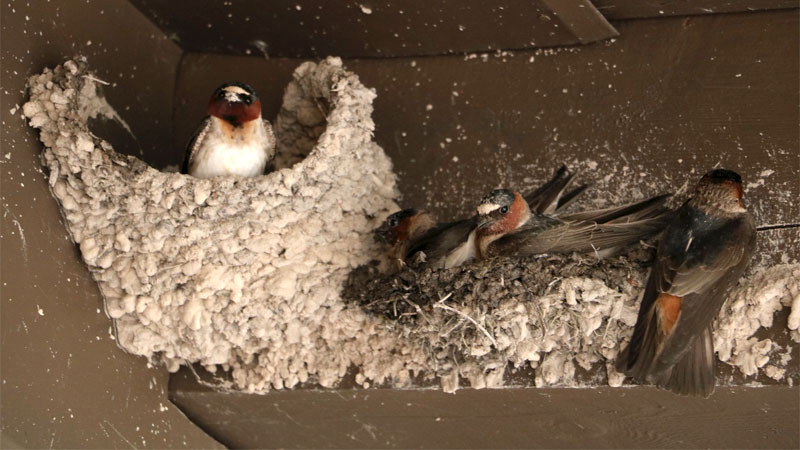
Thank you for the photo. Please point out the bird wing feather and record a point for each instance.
(443, 238)
(270, 140)
(194, 144)
(699, 271)
(555, 236)
(650, 207)
(548, 197)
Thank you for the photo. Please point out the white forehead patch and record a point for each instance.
(236, 90)
(487, 208)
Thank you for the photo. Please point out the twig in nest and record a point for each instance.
(441, 305)
(540, 313)
(96, 80)
(596, 254)
(418, 309)
(447, 333)
(614, 317)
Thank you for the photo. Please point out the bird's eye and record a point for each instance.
(392, 222)
(504, 210)
(248, 100)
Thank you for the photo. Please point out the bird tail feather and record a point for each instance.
(550, 197)
(694, 373)
(637, 359)
(650, 208)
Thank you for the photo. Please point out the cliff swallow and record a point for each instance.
(403, 229)
(506, 226)
(701, 255)
(440, 239)
(233, 139)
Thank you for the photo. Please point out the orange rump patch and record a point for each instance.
(668, 308)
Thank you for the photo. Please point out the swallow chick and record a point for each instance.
(233, 139)
(402, 230)
(506, 226)
(701, 255)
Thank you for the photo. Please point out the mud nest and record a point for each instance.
(565, 317)
(238, 272)
(547, 313)
(407, 295)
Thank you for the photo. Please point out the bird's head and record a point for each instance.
(501, 212)
(403, 226)
(721, 188)
(235, 103)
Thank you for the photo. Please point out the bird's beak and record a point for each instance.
(484, 221)
(381, 234)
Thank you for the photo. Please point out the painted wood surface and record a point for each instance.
(494, 418)
(376, 29)
(65, 382)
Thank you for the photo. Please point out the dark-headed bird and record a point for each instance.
(233, 139)
(401, 230)
(701, 255)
